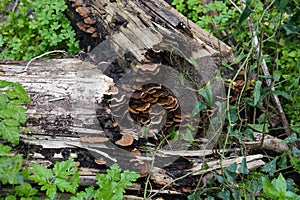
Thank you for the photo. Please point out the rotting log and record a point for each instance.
(62, 122)
(140, 24)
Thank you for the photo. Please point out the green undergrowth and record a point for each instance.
(25, 183)
(35, 27)
(277, 25)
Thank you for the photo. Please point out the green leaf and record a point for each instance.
(276, 75)
(270, 167)
(25, 190)
(4, 149)
(12, 94)
(260, 127)
(282, 163)
(11, 122)
(4, 83)
(3, 100)
(257, 90)
(10, 134)
(279, 183)
(219, 178)
(206, 93)
(232, 167)
(41, 174)
(230, 172)
(277, 189)
(225, 195)
(246, 13)
(198, 108)
(112, 185)
(282, 93)
(243, 168)
(195, 196)
(22, 94)
(296, 152)
(88, 194)
(193, 62)
(9, 169)
(10, 197)
(281, 4)
(268, 188)
(295, 162)
(50, 190)
(67, 178)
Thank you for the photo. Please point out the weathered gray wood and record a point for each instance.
(64, 93)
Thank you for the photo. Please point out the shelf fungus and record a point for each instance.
(88, 21)
(126, 140)
(144, 98)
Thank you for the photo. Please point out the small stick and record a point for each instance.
(37, 57)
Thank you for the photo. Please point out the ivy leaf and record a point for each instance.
(270, 167)
(260, 127)
(219, 178)
(243, 168)
(198, 108)
(225, 195)
(296, 152)
(230, 172)
(281, 4)
(206, 93)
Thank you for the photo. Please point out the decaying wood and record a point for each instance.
(269, 143)
(253, 161)
(141, 24)
(64, 93)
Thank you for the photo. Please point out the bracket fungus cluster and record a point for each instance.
(88, 22)
(144, 98)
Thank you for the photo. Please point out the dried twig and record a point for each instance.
(40, 56)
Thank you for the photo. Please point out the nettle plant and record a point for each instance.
(35, 28)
